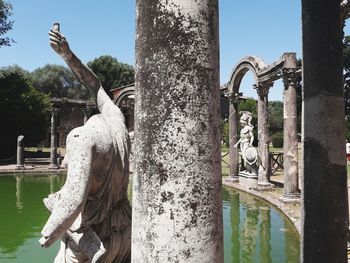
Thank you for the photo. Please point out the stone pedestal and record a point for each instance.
(290, 198)
(249, 180)
(20, 153)
(53, 152)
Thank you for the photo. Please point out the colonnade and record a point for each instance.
(265, 75)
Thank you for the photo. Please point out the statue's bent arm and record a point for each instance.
(74, 192)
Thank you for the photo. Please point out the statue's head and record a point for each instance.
(246, 118)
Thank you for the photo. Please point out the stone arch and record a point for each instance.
(123, 94)
(121, 98)
(264, 76)
(252, 63)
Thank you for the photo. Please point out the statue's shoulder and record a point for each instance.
(79, 135)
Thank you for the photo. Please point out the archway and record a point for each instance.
(123, 97)
(264, 76)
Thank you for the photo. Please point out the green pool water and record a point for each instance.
(254, 231)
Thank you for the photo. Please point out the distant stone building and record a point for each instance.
(71, 113)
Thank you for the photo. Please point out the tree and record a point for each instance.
(346, 67)
(5, 23)
(15, 69)
(249, 105)
(59, 82)
(25, 110)
(111, 72)
(275, 117)
(224, 128)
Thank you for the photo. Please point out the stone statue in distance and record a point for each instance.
(248, 152)
(91, 213)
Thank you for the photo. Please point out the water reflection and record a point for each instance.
(265, 233)
(252, 231)
(19, 180)
(23, 215)
(235, 222)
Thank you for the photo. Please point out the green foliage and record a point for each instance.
(346, 67)
(277, 140)
(58, 82)
(347, 130)
(251, 106)
(275, 116)
(5, 23)
(15, 69)
(111, 72)
(24, 110)
(224, 126)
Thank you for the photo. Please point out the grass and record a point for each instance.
(225, 170)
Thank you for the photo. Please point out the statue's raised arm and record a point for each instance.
(85, 75)
(91, 214)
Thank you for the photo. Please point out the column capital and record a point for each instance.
(290, 76)
(344, 11)
(232, 97)
(262, 88)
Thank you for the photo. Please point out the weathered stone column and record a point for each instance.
(20, 153)
(53, 152)
(263, 135)
(325, 200)
(177, 209)
(290, 129)
(85, 113)
(233, 130)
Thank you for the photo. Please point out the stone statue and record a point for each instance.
(248, 152)
(91, 213)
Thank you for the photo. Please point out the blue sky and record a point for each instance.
(262, 28)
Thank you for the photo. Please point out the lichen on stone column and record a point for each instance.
(177, 210)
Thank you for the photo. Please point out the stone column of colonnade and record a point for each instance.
(233, 130)
(53, 141)
(85, 114)
(263, 134)
(177, 208)
(290, 76)
(325, 201)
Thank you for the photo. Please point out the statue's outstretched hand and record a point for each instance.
(59, 43)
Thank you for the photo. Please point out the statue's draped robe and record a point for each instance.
(108, 212)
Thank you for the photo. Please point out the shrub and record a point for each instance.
(277, 140)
